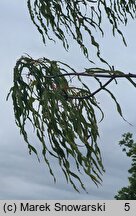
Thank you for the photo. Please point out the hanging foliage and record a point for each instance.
(62, 113)
(79, 18)
(54, 98)
(43, 96)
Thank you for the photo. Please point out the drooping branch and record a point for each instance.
(96, 73)
(53, 97)
(79, 19)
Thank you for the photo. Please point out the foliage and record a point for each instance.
(45, 93)
(46, 98)
(129, 147)
(79, 18)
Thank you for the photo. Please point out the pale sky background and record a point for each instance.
(21, 175)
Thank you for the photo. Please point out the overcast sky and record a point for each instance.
(21, 175)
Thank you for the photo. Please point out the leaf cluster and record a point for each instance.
(60, 106)
(79, 18)
(129, 147)
(44, 96)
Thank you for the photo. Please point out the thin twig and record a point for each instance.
(94, 74)
(92, 94)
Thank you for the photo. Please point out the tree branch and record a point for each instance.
(92, 94)
(111, 76)
(94, 74)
